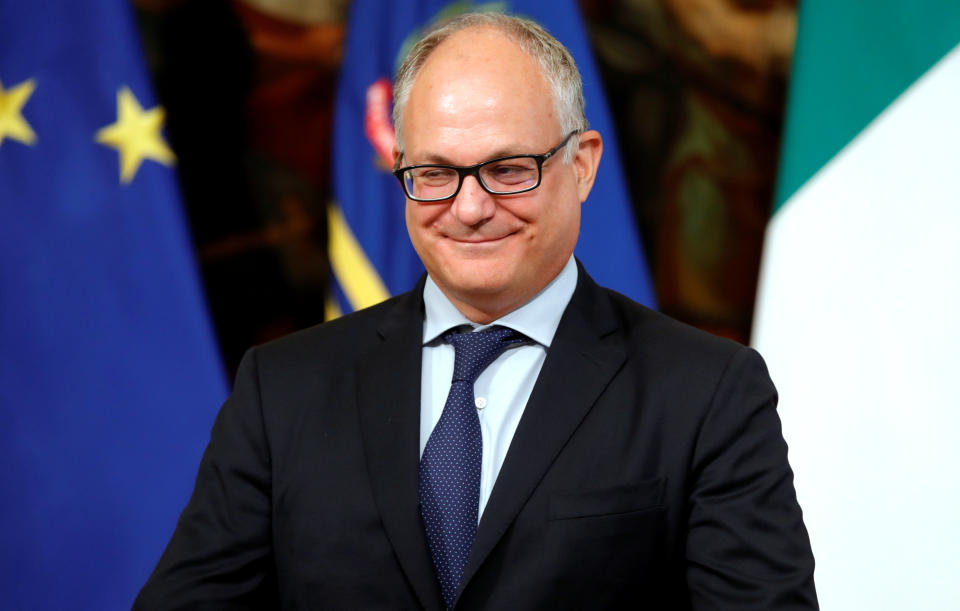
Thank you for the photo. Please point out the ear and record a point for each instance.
(395, 153)
(586, 160)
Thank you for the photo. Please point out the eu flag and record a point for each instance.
(370, 253)
(109, 374)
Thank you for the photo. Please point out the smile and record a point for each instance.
(479, 240)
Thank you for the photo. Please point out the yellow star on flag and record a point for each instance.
(136, 135)
(12, 123)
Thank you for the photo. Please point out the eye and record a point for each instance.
(434, 176)
(511, 172)
(506, 170)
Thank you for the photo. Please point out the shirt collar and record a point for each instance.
(538, 319)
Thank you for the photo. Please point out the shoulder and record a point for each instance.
(646, 333)
(673, 357)
(657, 333)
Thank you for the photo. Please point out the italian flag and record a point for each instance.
(858, 313)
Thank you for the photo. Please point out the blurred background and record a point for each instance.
(696, 89)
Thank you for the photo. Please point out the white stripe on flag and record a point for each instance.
(859, 320)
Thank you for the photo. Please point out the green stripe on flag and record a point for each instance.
(865, 54)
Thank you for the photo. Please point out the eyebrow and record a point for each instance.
(433, 158)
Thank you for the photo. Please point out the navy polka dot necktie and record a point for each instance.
(450, 466)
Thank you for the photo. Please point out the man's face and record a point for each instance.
(477, 97)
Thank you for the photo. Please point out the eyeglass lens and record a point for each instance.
(506, 176)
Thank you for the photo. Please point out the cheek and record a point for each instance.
(560, 226)
(424, 236)
(419, 220)
(415, 230)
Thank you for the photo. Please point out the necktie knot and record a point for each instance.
(475, 351)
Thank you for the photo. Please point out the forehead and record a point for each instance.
(478, 81)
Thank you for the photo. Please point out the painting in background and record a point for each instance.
(697, 91)
(249, 86)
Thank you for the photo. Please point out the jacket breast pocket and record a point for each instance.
(604, 548)
(606, 502)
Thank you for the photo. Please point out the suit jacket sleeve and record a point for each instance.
(747, 547)
(220, 555)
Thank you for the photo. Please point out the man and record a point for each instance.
(597, 456)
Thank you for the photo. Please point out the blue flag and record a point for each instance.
(370, 252)
(109, 374)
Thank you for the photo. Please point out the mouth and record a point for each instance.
(472, 241)
(479, 240)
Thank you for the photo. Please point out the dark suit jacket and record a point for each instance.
(648, 472)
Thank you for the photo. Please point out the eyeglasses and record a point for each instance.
(500, 176)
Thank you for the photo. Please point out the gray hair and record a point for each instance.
(554, 60)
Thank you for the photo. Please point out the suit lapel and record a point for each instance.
(389, 403)
(585, 354)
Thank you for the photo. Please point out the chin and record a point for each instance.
(477, 278)
(471, 277)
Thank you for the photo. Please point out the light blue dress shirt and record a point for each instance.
(503, 388)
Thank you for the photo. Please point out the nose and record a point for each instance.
(473, 205)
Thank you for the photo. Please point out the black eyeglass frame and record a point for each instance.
(474, 170)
